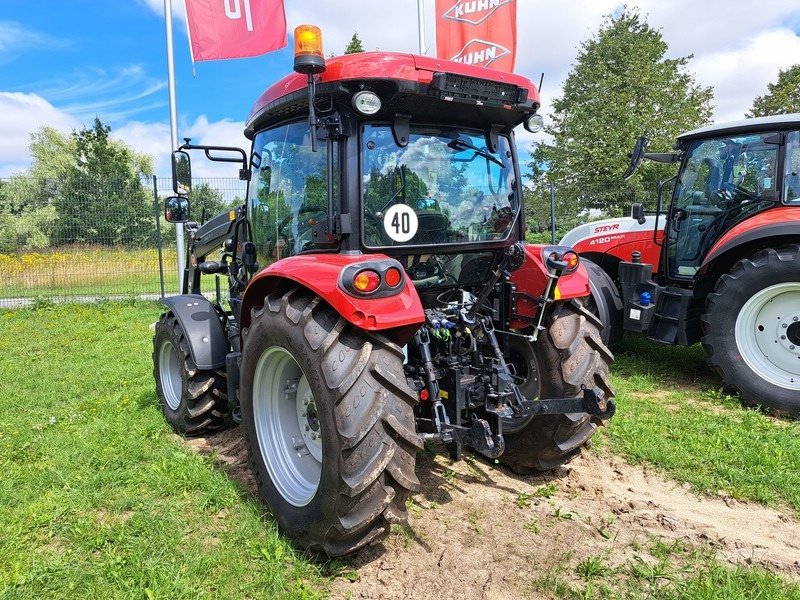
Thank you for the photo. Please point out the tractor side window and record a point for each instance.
(724, 181)
(444, 187)
(791, 172)
(288, 192)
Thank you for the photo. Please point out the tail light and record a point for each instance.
(366, 281)
(373, 279)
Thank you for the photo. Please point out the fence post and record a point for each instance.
(552, 212)
(158, 235)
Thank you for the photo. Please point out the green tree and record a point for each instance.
(103, 200)
(27, 212)
(206, 201)
(354, 46)
(782, 97)
(621, 86)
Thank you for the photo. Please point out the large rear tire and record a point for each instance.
(568, 355)
(752, 330)
(194, 401)
(329, 423)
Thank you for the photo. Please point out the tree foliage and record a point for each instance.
(782, 97)
(103, 201)
(355, 45)
(80, 187)
(622, 85)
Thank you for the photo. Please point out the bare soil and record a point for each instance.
(476, 530)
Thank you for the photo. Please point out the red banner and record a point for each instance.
(221, 29)
(477, 32)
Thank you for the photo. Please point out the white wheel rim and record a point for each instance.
(287, 428)
(169, 370)
(768, 334)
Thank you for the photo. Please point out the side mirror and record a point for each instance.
(639, 148)
(181, 173)
(176, 209)
(637, 212)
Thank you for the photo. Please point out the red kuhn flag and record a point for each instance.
(235, 28)
(477, 32)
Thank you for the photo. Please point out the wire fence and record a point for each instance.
(101, 238)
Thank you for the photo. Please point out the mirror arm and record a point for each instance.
(663, 157)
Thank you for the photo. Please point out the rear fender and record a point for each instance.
(203, 327)
(771, 228)
(531, 282)
(397, 315)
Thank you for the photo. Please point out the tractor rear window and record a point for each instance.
(444, 187)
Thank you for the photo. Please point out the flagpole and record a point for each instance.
(421, 25)
(173, 128)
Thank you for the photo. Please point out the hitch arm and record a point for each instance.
(592, 402)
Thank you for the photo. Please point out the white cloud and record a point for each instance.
(154, 139)
(740, 74)
(15, 38)
(20, 116)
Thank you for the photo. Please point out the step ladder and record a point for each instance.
(676, 319)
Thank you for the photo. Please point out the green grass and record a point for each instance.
(665, 571)
(671, 414)
(97, 498)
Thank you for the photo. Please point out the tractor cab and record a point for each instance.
(723, 181)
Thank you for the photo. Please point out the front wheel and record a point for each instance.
(568, 355)
(329, 422)
(194, 401)
(752, 329)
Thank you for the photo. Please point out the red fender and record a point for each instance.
(531, 279)
(775, 222)
(398, 315)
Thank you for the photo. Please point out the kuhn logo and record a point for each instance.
(474, 12)
(481, 53)
(605, 228)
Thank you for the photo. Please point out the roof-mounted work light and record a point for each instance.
(308, 56)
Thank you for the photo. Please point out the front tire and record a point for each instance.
(194, 401)
(752, 330)
(329, 423)
(568, 355)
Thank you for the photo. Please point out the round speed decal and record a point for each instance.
(400, 223)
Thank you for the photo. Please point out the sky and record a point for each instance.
(65, 62)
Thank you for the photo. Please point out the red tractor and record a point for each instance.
(381, 295)
(723, 266)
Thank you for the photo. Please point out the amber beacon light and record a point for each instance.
(308, 55)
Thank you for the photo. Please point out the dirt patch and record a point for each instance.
(477, 531)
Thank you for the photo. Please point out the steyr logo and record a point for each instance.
(474, 12)
(480, 53)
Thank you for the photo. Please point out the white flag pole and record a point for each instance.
(173, 127)
(421, 25)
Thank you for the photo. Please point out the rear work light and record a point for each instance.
(366, 281)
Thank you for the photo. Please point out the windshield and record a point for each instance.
(288, 192)
(724, 180)
(444, 187)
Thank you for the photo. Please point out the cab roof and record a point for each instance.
(772, 122)
(406, 70)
